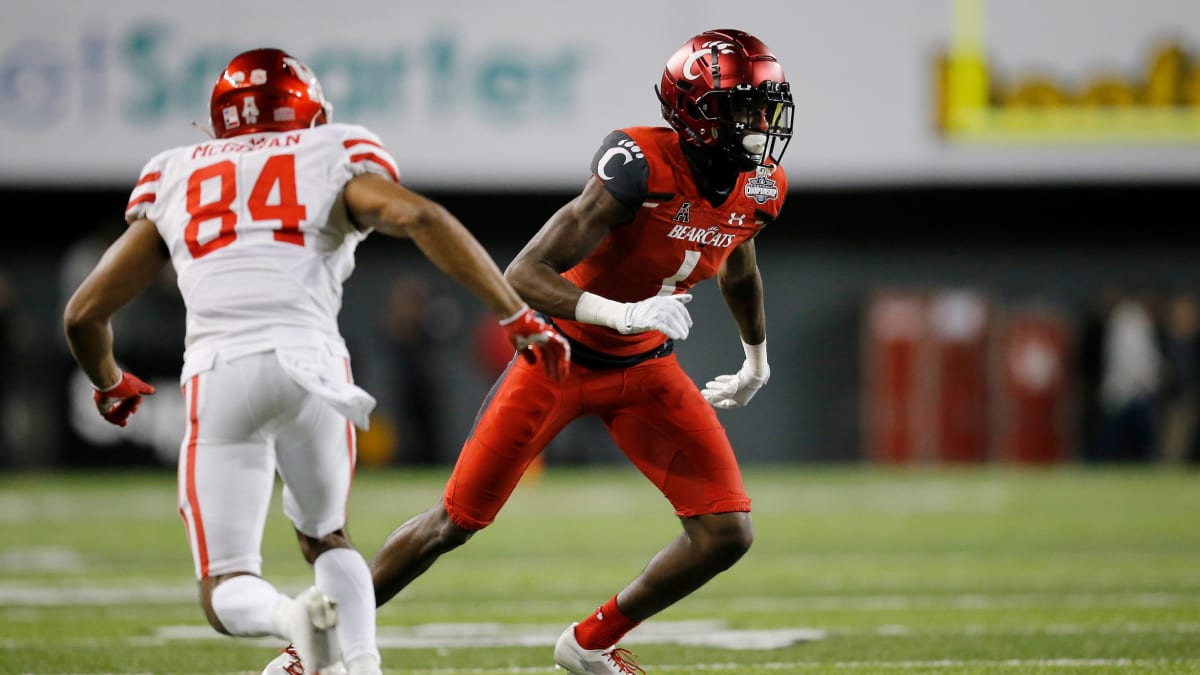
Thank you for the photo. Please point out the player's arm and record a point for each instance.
(573, 232)
(388, 207)
(126, 269)
(741, 286)
(391, 209)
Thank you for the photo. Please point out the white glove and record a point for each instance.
(664, 313)
(735, 391)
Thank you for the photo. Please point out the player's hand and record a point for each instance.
(122, 399)
(736, 390)
(664, 313)
(535, 340)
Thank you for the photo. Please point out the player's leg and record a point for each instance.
(664, 425)
(315, 453)
(226, 478)
(522, 413)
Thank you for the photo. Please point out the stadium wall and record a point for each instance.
(1056, 247)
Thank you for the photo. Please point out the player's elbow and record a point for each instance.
(415, 219)
(522, 275)
(515, 275)
(82, 316)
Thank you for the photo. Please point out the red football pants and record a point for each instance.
(652, 410)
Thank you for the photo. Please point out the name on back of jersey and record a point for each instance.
(246, 145)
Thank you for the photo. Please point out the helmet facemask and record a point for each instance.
(750, 125)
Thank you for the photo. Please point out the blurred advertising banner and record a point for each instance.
(984, 97)
(519, 95)
(950, 377)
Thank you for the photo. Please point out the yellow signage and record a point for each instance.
(1159, 105)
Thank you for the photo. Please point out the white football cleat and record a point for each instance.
(310, 621)
(288, 663)
(569, 656)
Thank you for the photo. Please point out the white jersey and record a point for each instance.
(258, 235)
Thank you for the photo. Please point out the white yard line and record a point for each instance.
(17, 595)
(714, 634)
(1017, 665)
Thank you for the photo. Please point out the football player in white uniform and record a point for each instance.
(261, 224)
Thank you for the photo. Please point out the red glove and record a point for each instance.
(122, 399)
(535, 340)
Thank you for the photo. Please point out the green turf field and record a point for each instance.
(859, 570)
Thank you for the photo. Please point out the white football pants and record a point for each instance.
(246, 420)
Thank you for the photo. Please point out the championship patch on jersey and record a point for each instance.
(760, 189)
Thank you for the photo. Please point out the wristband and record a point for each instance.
(600, 311)
(514, 317)
(120, 379)
(756, 357)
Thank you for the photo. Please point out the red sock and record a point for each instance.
(604, 628)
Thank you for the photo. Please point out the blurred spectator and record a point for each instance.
(1181, 386)
(416, 326)
(1090, 368)
(1130, 381)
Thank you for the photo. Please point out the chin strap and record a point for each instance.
(714, 172)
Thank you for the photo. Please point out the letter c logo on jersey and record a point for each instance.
(690, 64)
(626, 149)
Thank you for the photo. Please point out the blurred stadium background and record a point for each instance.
(972, 186)
(987, 263)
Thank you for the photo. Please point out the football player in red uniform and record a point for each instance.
(664, 209)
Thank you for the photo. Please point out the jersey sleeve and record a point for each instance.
(621, 165)
(368, 155)
(146, 191)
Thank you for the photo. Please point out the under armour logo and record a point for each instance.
(600, 615)
(737, 219)
(684, 214)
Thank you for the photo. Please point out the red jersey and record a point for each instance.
(677, 237)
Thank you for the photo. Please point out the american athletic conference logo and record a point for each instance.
(761, 188)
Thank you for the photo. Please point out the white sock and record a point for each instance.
(343, 575)
(247, 606)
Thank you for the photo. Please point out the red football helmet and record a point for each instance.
(724, 90)
(267, 90)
